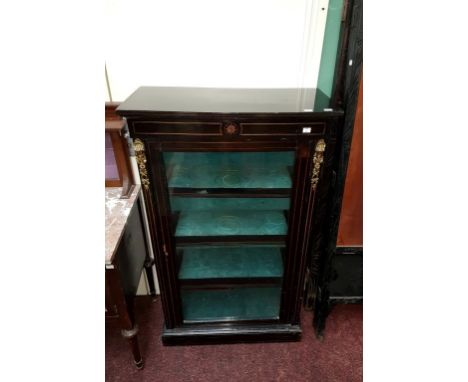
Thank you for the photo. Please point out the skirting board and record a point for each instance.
(203, 334)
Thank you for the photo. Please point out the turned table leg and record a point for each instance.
(131, 336)
(124, 307)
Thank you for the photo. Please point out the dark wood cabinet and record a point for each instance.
(236, 185)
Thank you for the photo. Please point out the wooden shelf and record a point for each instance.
(185, 241)
(230, 192)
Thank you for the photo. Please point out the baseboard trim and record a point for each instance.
(204, 334)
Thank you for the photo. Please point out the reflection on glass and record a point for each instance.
(229, 170)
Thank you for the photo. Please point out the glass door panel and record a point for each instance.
(230, 221)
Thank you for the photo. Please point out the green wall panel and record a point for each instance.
(329, 54)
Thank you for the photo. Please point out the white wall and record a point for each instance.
(213, 43)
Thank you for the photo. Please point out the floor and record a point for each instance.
(338, 358)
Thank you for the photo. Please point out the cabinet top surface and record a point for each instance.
(223, 100)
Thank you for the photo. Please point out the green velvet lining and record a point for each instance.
(231, 222)
(231, 304)
(231, 262)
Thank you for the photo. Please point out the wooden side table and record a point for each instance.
(126, 256)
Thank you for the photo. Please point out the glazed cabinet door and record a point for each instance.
(229, 223)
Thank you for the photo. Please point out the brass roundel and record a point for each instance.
(231, 128)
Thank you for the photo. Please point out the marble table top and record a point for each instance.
(117, 213)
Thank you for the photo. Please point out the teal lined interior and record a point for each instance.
(231, 304)
(231, 222)
(229, 216)
(229, 169)
(231, 262)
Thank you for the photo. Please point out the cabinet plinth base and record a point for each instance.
(210, 334)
